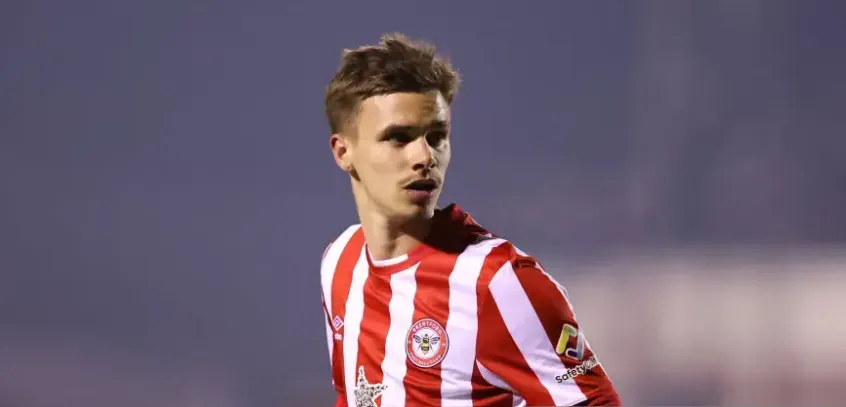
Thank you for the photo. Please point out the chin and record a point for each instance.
(414, 210)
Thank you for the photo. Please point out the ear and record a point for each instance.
(341, 152)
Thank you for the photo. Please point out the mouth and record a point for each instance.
(423, 185)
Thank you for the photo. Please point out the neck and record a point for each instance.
(389, 238)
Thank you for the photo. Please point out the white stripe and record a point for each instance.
(329, 345)
(327, 273)
(528, 333)
(563, 291)
(554, 281)
(330, 262)
(352, 325)
(387, 262)
(494, 379)
(462, 324)
(401, 308)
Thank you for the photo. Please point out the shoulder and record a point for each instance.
(343, 239)
(514, 272)
(507, 257)
(523, 296)
(332, 252)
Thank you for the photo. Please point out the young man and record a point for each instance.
(423, 306)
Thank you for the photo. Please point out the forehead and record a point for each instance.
(406, 109)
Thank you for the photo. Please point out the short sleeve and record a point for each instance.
(531, 344)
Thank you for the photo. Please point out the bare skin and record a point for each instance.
(396, 152)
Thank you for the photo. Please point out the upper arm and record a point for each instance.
(530, 340)
(331, 345)
(323, 294)
(326, 291)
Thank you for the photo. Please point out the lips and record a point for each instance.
(422, 191)
(424, 185)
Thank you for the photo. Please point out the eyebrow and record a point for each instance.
(395, 128)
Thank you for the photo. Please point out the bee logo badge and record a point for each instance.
(427, 343)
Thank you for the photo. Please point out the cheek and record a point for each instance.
(378, 164)
(386, 160)
(378, 168)
(444, 157)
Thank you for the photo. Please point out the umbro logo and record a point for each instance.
(337, 322)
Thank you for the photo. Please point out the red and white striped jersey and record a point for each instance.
(464, 319)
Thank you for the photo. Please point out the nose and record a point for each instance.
(423, 156)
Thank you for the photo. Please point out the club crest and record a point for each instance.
(427, 343)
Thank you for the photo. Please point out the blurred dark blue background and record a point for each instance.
(166, 187)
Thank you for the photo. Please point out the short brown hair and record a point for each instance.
(396, 64)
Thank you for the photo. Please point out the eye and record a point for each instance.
(436, 137)
(399, 137)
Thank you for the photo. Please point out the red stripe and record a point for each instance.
(341, 281)
(431, 300)
(374, 327)
(552, 309)
(331, 344)
(485, 394)
(328, 319)
(496, 349)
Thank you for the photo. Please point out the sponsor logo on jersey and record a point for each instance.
(427, 343)
(577, 370)
(571, 343)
